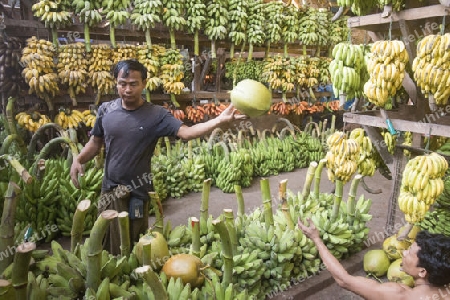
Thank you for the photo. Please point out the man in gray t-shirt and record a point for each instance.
(129, 128)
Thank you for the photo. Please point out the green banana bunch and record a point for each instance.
(236, 168)
(359, 226)
(238, 22)
(178, 238)
(146, 14)
(444, 199)
(432, 74)
(174, 17)
(159, 174)
(216, 25)
(89, 13)
(324, 72)
(247, 267)
(314, 148)
(196, 17)
(290, 25)
(243, 69)
(313, 28)
(338, 30)
(273, 10)
(255, 27)
(436, 221)
(52, 13)
(37, 286)
(397, 5)
(359, 7)
(195, 172)
(389, 140)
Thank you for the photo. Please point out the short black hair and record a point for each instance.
(434, 256)
(127, 65)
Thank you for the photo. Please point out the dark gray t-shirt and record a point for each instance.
(130, 139)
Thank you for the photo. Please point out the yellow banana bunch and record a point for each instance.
(431, 67)
(172, 72)
(342, 156)
(67, 118)
(389, 140)
(37, 59)
(421, 185)
(124, 51)
(89, 118)
(408, 142)
(386, 68)
(100, 63)
(281, 74)
(149, 57)
(52, 13)
(72, 68)
(32, 121)
(366, 162)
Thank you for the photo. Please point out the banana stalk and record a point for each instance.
(227, 251)
(159, 215)
(151, 278)
(195, 224)
(41, 133)
(229, 222)
(11, 124)
(241, 206)
(309, 178)
(204, 205)
(19, 277)
(124, 229)
(351, 204)
(47, 148)
(17, 166)
(318, 176)
(282, 187)
(7, 142)
(337, 199)
(78, 223)
(267, 202)
(95, 247)
(7, 291)
(7, 225)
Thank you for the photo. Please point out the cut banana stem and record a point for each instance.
(17, 166)
(318, 176)
(267, 202)
(78, 223)
(7, 291)
(19, 277)
(159, 214)
(195, 224)
(124, 231)
(229, 222)
(174, 100)
(351, 204)
(150, 277)
(205, 203)
(87, 37)
(337, 199)
(282, 189)
(147, 253)
(227, 251)
(309, 178)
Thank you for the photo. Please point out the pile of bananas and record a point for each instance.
(280, 108)
(313, 27)
(100, 64)
(431, 67)
(421, 185)
(195, 114)
(345, 69)
(72, 68)
(172, 72)
(359, 7)
(32, 121)
(39, 73)
(366, 162)
(386, 69)
(389, 140)
(89, 118)
(10, 51)
(436, 221)
(342, 157)
(176, 175)
(159, 170)
(69, 118)
(195, 170)
(235, 168)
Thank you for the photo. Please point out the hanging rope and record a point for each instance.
(390, 29)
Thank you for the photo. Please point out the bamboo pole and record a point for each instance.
(95, 247)
(7, 225)
(309, 178)
(227, 251)
(78, 223)
(19, 277)
(195, 224)
(159, 215)
(124, 231)
(351, 199)
(318, 176)
(204, 206)
(7, 291)
(282, 188)
(267, 202)
(229, 222)
(150, 277)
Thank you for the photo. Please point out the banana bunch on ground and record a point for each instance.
(89, 118)
(386, 68)
(37, 287)
(39, 69)
(32, 121)
(69, 118)
(342, 157)
(271, 156)
(100, 63)
(149, 57)
(176, 175)
(444, 199)
(436, 221)
(358, 225)
(179, 238)
(315, 148)
(195, 171)
(431, 67)
(159, 170)
(212, 156)
(300, 147)
(248, 267)
(313, 27)
(346, 68)
(52, 13)
(236, 168)
(10, 53)
(72, 68)
(359, 7)
(172, 72)
(421, 185)
(366, 162)
(389, 140)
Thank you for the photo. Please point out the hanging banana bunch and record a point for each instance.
(216, 22)
(72, 69)
(431, 67)
(359, 7)
(279, 73)
(396, 4)
(37, 58)
(337, 30)
(309, 33)
(10, 53)
(172, 73)
(89, 13)
(342, 157)
(366, 162)
(117, 14)
(124, 51)
(99, 73)
(387, 70)
(196, 17)
(55, 15)
(290, 26)
(313, 73)
(255, 30)
(301, 64)
(238, 20)
(273, 11)
(174, 18)
(324, 72)
(145, 15)
(149, 57)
